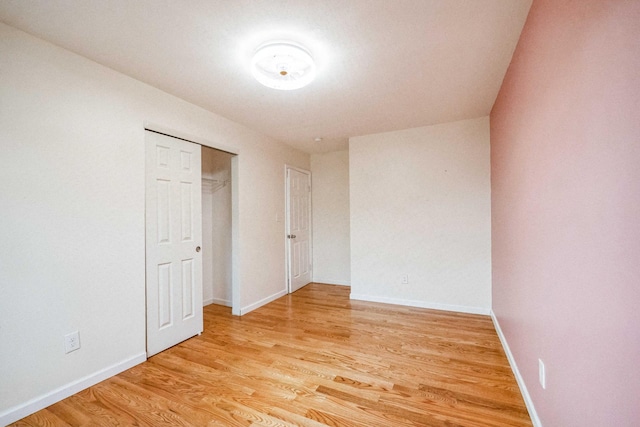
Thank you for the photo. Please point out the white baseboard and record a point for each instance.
(514, 367)
(258, 304)
(20, 411)
(217, 301)
(422, 304)
(331, 281)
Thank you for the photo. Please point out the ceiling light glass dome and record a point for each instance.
(283, 66)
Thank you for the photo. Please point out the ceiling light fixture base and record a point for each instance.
(283, 65)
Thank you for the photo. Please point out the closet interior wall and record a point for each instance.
(216, 227)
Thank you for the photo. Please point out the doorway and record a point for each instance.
(178, 180)
(298, 227)
(216, 227)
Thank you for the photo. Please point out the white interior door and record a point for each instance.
(298, 228)
(173, 241)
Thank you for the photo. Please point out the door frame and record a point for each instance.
(235, 282)
(286, 223)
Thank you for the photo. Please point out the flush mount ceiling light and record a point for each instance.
(283, 66)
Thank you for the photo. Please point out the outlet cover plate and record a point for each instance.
(71, 342)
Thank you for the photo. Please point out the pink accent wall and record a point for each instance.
(565, 181)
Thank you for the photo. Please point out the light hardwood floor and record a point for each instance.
(313, 358)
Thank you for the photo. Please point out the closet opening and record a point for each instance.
(217, 261)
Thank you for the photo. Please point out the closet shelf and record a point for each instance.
(214, 184)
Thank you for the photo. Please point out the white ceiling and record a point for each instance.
(384, 65)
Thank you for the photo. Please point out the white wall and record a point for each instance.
(420, 206)
(330, 204)
(216, 227)
(73, 234)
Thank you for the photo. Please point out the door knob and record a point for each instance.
(291, 236)
(197, 248)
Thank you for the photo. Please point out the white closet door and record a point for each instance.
(173, 241)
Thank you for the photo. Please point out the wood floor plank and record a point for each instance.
(44, 418)
(313, 358)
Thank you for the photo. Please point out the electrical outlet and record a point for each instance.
(405, 279)
(71, 342)
(542, 374)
